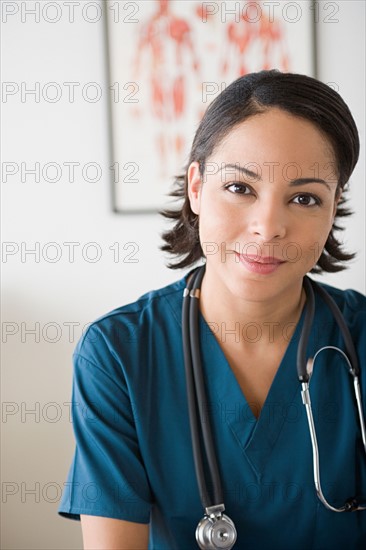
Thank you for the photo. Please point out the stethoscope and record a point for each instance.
(216, 530)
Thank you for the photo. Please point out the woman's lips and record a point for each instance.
(263, 265)
(262, 259)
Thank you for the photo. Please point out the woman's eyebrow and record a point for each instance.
(242, 169)
(302, 181)
(257, 177)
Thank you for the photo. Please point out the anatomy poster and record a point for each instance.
(168, 59)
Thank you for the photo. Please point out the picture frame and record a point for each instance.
(167, 60)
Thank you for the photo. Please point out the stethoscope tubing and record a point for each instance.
(305, 333)
(196, 395)
(348, 342)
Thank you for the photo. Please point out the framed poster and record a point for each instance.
(168, 59)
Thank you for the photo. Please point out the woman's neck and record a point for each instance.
(250, 324)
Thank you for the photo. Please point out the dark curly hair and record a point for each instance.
(247, 96)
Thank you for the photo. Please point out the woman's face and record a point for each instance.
(266, 203)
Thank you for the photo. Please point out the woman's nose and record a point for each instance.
(268, 220)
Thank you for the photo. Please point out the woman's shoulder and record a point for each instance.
(352, 305)
(131, 323)
(348, 300)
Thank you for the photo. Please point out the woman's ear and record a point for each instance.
(194, 186)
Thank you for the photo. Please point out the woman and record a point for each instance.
(262, 193)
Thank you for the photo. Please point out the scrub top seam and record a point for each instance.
(77, 354)
(160, 293)
(173, 310)
(72, 486)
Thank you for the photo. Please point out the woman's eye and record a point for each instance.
(238, 188)
(307, 200)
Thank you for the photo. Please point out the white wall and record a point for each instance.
(50, 296)
(341, 63)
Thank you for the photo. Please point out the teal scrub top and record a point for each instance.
(133, 456)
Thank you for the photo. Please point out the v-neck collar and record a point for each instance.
(256, 437)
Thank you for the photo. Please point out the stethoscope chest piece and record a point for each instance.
(216, 531)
